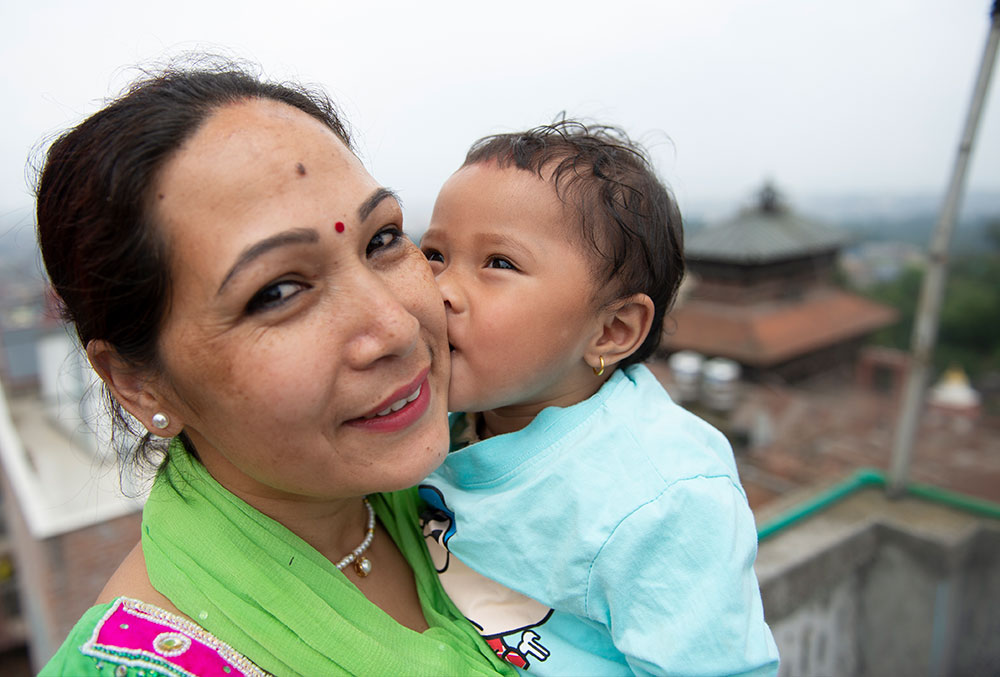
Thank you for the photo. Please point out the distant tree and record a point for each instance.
(968, 333)
(992, 230)
(900, 293)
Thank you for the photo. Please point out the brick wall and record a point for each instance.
(60, 577)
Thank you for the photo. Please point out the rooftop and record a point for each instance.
(60, 483)
(767, 232)
(767, 334)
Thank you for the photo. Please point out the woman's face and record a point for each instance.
(301, 317)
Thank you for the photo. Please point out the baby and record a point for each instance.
(583, 522)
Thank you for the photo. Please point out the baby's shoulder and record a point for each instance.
(641, 419)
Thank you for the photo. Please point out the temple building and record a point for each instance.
(762, 294)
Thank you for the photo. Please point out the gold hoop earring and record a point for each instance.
(598, 372)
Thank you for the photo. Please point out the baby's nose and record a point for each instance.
(451, 293)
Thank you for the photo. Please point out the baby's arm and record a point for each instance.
(675, 585)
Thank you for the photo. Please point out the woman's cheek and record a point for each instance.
(423, 296)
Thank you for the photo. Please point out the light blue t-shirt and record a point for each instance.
(614, 538)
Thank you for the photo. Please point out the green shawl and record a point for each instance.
(267, 593)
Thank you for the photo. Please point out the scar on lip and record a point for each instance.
(300, 168)
(339, 226)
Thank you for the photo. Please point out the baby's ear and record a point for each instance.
(625, 326)
(132, 388)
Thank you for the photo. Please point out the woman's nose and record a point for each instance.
(386, 328)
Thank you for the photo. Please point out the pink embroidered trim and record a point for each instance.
(140, 635)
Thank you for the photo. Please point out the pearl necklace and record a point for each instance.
(362, 565)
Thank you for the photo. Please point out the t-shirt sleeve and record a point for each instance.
(675, 585)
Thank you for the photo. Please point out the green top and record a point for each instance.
(273, 598)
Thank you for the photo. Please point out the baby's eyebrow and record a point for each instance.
(502, 240)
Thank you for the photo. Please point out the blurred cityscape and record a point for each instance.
(791, 336)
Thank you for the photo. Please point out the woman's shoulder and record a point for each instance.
(122, 635)
(131, 579)
(131, 637)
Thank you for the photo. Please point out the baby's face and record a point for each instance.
(518, 291)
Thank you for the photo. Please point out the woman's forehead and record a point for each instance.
(259, 156)
(252, 170)
(258, 140)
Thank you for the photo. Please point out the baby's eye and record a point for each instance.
(500, 263)
(385, 238)
(434, 256)
(274, 295)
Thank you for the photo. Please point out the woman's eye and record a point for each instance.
(500, 263)
(274, 295)
(385, 238)
(434, 256)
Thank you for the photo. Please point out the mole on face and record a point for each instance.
(339, 226)
(300, 168)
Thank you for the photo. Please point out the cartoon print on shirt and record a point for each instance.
(506, 619)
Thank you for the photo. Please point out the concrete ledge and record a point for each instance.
(870, 586)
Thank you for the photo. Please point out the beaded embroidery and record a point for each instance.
(140, 635)
(171, 644)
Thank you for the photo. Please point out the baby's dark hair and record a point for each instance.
(626, 215)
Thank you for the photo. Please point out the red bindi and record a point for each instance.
(339, 226)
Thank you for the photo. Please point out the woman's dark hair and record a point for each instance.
(625, 214)
(104, 255)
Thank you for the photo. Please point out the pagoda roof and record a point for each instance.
(765, 335)
(767, 232)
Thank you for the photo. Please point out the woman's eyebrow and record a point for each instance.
(373, 201)
(288, 237)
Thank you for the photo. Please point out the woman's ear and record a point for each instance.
(625, 325)
(131, 387)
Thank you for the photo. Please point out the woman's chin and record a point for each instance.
(424, 454)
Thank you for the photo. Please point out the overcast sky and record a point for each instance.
(824, 97)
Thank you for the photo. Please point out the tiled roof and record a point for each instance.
(763, 335)
(768, 232)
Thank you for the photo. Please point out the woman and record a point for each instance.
(243, 287)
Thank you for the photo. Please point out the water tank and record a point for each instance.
(720, 383)
(685, 365)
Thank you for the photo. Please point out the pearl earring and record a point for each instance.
(160, 420)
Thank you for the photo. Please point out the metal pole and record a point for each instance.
(932, 291)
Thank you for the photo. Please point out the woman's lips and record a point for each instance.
(398, 404)
(399, 410)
